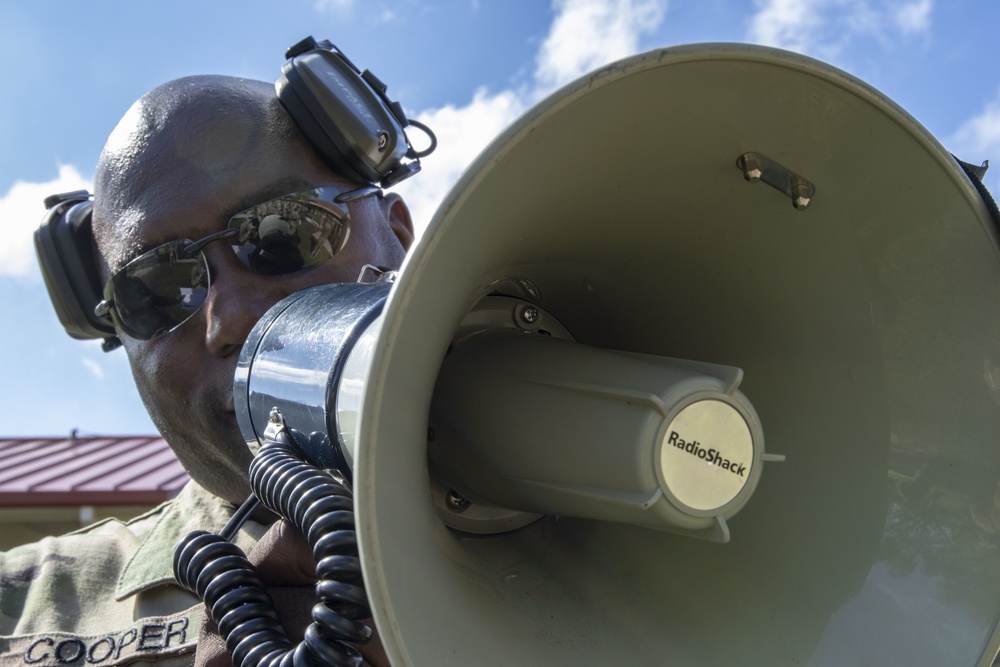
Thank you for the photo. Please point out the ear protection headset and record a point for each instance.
(343, 112)
(347, 116)
(65, 247)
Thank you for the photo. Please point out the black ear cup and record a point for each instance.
(65, 248)
(346, 115)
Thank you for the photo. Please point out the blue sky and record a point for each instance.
(467, 67)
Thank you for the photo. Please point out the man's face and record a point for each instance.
(185, 377)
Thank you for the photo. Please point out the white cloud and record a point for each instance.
(94, 368)
(462, 134)
(787, 24)
(978, 139)
(585, 34)
(914, 17)
(344, 9)
(825, 28)
(589, 33)
(333, 6)
(21, 210)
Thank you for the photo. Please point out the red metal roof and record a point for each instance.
(112, 470)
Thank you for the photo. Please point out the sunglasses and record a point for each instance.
(161, 289)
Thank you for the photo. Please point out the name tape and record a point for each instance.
(150, 638)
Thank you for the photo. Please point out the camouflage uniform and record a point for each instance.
(105, 595)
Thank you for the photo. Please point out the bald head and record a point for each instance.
(184, 160)
(189, 135)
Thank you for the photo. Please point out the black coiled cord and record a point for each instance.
(219, 573)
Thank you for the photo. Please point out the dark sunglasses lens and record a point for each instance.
(289, 233)
(162, 288)
(159, 290)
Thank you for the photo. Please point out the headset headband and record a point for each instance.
(343, 112)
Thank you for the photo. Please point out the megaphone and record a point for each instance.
(698, 245)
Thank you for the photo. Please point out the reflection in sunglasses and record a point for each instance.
(162, 288)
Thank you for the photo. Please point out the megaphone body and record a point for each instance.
(689, 220)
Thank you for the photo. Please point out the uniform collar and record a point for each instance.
(194, 508)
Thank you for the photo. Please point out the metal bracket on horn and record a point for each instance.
(759, 167)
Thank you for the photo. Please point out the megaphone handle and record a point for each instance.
(219, 573)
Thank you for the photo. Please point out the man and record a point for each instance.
(185, 159)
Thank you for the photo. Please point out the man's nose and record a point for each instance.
(236, 300)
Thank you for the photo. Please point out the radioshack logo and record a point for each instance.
(713, 456)
(684, 474)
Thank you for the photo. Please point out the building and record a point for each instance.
(50, 486)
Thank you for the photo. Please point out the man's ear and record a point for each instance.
(398, 215)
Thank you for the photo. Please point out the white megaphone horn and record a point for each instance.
(648, 273)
